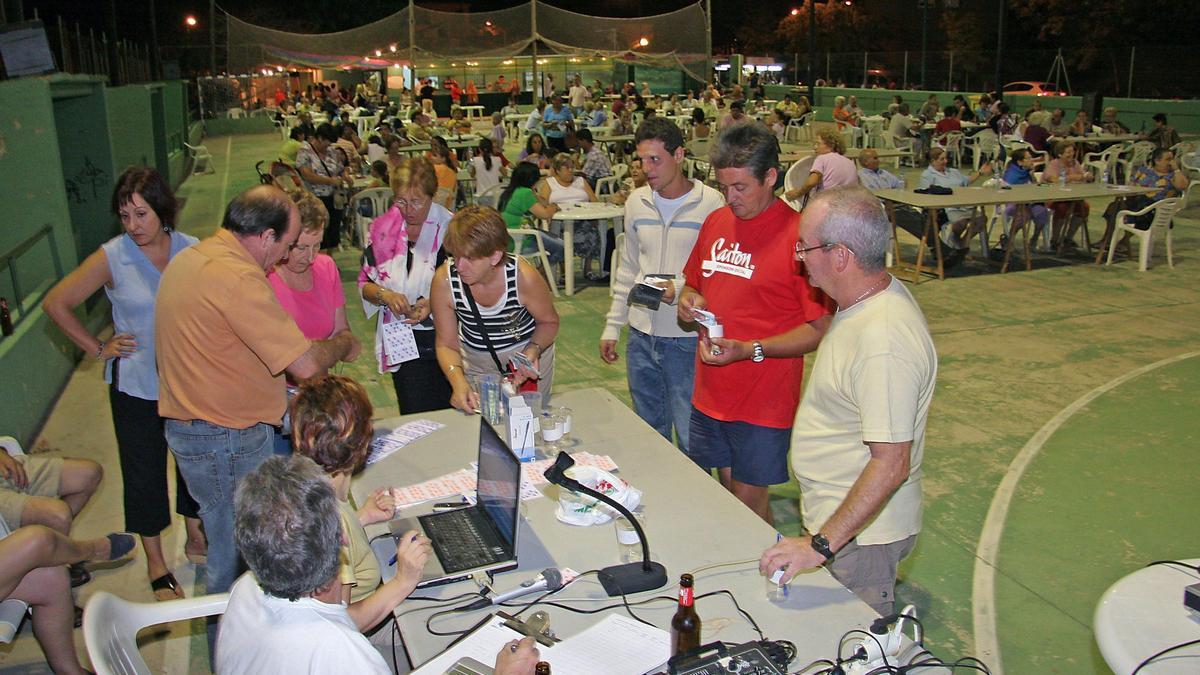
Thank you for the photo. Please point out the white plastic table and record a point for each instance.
(472, 111)
(1143, 614)
(568, 216)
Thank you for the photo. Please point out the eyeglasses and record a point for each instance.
(405, 204)
(801, 250)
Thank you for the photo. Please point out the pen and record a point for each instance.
(392, 561)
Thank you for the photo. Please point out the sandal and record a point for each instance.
(120, 544)
(164, 584)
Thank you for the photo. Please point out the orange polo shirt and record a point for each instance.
(223, 340)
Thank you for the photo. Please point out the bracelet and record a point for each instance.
(100, 350)
(379, 296)
(539, 347)
(451, 368)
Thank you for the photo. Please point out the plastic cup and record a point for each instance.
(489, 397)
(629, 547)
(565, 413)
(533, 399)
(776, 593)
(552, 432)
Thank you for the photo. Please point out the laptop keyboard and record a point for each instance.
(458, 542)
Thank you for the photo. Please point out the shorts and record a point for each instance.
(756, 455)
(870, 571)
(45, 480)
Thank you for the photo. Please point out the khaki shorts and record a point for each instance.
(870, 571)
(45, 480)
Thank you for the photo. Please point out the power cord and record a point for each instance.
(1168, 650)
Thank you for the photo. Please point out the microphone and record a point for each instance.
(617, 580)
(551, 579)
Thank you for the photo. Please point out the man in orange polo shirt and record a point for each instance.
(223, 345)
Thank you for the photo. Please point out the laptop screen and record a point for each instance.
(499, 490)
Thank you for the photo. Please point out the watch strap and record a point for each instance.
(821, 545)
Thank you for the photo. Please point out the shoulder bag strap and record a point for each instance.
(487, 339)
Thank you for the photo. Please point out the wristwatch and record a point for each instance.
(759, 355)
(821, 545)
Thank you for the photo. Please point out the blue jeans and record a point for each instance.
(213, 459)
(660, 372)
(552, 243)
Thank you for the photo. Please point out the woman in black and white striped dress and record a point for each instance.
(488, 305)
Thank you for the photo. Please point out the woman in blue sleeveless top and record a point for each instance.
(128, 268)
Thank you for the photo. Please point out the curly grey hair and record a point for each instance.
(287, 526)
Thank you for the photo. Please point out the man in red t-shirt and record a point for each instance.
(743, 270)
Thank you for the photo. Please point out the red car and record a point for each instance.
(1033, 89)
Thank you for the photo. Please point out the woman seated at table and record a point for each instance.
(830, 168)
(446, 169)
(1020, 172)
(700, 128)
(331, 425)
(535, 151)
(562, 188)
(952, 222)
(1162, 173)
(635, 180)
(1082, 126)
(458, 123)
(519, 202)
(487, 167)
(841, 115)
(488, 305)
(1073, 214)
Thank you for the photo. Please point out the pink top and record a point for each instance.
(836, 170)
(313, 309)
(1075, 172)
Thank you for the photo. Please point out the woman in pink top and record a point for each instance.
(830, 169)
(307, 282)
(1069, 215)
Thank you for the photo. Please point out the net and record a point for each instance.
(673, 40)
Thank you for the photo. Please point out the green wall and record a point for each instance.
(1133, 112)
(85, 153)
(131, 127)
(875, 101)
(175, 114)
(37, 359)
(224, 126)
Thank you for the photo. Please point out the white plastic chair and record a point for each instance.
(236, 113)
(1103, 163)
(796, 174)
(1164, 210)
(607, 188)
(379, 205)
(201, 159)
(490, 197)
(12, 610)
(1139, 154)
(951, 142)
(518, 234)
(803, 126)
(111, 625)
(984, 145)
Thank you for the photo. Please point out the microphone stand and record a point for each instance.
(623, 579)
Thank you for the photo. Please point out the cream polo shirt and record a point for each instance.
(873, 380)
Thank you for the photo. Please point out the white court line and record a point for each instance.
(983, 592)
(225, 180)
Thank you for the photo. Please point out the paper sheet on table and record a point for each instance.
(616, 644)
(399, 437)
(462, 482)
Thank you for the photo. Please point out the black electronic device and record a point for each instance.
(749, 658)
(633, 577)
(1191, 597)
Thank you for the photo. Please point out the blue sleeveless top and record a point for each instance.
(134, 289)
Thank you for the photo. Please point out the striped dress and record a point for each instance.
(507, 322)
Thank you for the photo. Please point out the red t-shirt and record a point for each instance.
(946, 125)
(747, 272)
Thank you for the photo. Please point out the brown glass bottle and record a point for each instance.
(542, 668)
(685, 625)
(6, 323)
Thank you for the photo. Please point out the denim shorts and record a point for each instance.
(756, 455)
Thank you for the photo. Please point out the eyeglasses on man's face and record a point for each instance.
(802, 250)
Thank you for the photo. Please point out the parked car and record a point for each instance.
(1033, 89)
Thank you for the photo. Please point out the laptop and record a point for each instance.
(479, 538)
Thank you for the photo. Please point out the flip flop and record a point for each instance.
(120, 544)
(166, 582)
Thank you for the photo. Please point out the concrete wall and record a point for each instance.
(37, 359)
(223, 126)
(131, 127)
(875, 101)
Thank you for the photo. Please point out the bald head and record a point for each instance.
(869, 158)
(261, 208)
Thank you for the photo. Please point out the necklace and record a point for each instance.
(875, 287)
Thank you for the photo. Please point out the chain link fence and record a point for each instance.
(1133, 72)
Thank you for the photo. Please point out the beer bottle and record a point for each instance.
(685, 625)
(542, 668)
(6, 324)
